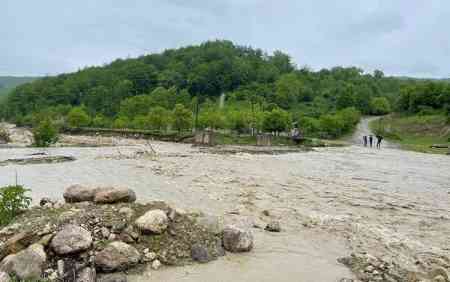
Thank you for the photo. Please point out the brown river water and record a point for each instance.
(330, 202)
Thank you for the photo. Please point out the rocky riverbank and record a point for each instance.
(101, 234)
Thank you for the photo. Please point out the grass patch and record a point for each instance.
(416, 133)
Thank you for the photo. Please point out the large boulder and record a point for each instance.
(78, 193)
(117, 256)
(71, 239)
(154, 221)
(237, 239)
(110, 195)
(27, 264)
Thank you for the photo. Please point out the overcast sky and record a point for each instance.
(400, 37)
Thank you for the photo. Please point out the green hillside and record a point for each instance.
(8, 83)
(181, 88)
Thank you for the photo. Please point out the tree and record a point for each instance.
(182, 118)
(277, 120)
(101, 121)
(380, 106)
(159, 118)
(78, 117)
(288, 90)
(45, 134)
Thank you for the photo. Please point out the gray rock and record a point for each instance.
(156, 264)
(127, 212)
(116, 277)
(27, 264)
(111, 195)
(273, 226)
(154, 221)
(200, 253)
(71, 239)
(211, 223)
(78, 193)
(4, 277)
(237, 239)
(86, 274)
(117, 256)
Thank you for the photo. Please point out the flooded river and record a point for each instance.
(330, 202)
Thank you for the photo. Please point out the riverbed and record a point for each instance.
(330, 202)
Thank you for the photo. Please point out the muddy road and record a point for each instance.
(330, 202)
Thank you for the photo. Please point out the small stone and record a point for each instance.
(273, 226)
(117, 256)
(236, 239)
(86, 274)
(149, 256)
(200, 253)
(154, 221)
(105, 232)
(45, 201)
(112, 237)
(266, 213)
(71, 239)
(127, 212)
(4, 277)
(369, 268)
(156, 264)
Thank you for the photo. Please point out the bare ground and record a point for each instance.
(392, 204)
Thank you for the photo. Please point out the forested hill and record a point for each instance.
(132, 92)
(8, 83)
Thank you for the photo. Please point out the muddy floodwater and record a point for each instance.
(330, 202)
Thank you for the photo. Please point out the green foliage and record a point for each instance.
(78, 117)
(101, 121)
(182, 118)
(159, 118)
(122, 122)
(13, 200)
(277, 120)
(380, 106)
(45, 134)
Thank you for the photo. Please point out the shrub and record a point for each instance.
(45, 134)
(101, 121)
(78, 117)
(380, 106)
(277, 120)
(13, 200)
(4, 135)
(182, 118)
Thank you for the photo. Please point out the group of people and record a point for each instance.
(369, 140)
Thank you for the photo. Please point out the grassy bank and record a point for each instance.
(416, 133)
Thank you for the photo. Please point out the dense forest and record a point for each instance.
(8, 83)
(221, 86)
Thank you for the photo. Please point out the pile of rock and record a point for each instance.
(100, 233)
(370, 268)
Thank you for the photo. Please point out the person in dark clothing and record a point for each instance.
(379, 139)
(365, 140)
(370, 140)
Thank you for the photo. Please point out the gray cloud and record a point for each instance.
(400, 37)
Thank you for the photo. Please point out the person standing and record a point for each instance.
(379, 139)
(370, 140)
(365, 140)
